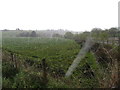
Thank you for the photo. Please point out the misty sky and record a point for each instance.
(76, 15)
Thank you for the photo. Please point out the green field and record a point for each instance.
(56, 51)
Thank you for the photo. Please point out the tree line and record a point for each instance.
(104, 36)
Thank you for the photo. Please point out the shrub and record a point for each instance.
(28, 80)
(8, 70)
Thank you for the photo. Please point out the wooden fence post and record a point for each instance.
(12, 56)
(15, 60)
(44, 67)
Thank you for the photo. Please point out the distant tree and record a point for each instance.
(96, 30)
(23, 34)
(104, 36)
(27, 34)
(5, 30)
(86, 33)
(56, 35)
(68, 35)
(107, 35)
(96, 34)
(33, 34)
(80, 38)
(118, 34)
(113, 32)
(17, 29)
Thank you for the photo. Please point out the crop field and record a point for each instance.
(55, 51)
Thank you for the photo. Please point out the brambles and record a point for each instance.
(9, 71)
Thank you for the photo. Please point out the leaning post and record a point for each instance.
(44, 68)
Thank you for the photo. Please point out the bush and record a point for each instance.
(6, 83)
(28, 80)
(8, 70)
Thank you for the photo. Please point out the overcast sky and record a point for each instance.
(76, 15)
